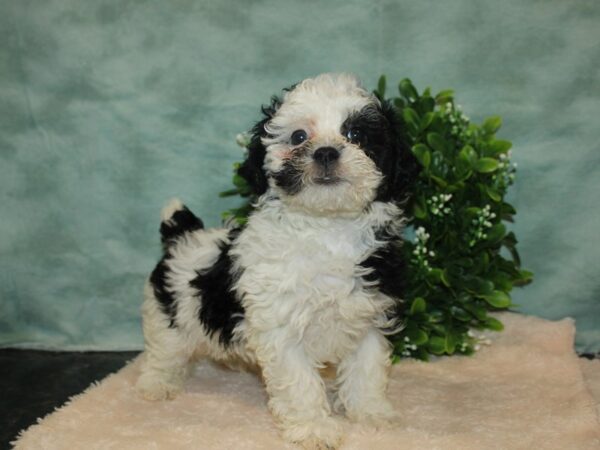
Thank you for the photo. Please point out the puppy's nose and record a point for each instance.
(326, 155)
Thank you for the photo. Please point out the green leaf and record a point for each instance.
(498, 299)
(426, 104)
(492, 124)
(444, 96)
(493, 324)
(525, 277)
(486, 165)
(526, 274)
(422, 154)
(436, 316)
(418, 306)
(411, 117)
(381, 86)
(437, 276)
(502, 281)
(510, 240)
(399, 103)
(460, 314)
(498, 146)
(439, 181)
(507, 208)
(426, 120)
(229, 193)
(444, 278)
(479, 286)
(407, 89)
(493, 194)
(468, 155)
(437, 345)
(496, 233)
(239, 181)
(419, 211)
(416, 335)
(451, 340)
(477, 310)
(437, 142)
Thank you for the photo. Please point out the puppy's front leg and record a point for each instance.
(297, 395)
(362, 379)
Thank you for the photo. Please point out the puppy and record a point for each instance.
(313, 279)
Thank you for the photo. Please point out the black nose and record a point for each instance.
(326, 155)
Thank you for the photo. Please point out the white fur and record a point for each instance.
(300, 283)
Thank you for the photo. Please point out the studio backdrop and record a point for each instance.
(109, 108)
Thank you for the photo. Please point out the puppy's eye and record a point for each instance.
(356, 136)
(298, 137)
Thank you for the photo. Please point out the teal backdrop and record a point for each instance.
(109, 108)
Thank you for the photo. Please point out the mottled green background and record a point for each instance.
(108, 108)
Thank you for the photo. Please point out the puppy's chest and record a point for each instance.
(321, 260)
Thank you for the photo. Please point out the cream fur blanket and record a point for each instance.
(527, 390)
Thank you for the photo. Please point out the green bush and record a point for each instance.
(463, 263)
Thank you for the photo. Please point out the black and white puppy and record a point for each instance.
(313, 279)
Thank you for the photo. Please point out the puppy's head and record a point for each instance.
(328, 147)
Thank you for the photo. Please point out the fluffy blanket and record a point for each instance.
(526, 390)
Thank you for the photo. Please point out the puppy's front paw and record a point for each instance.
(380, 414)
(153, 388)
(322, 434)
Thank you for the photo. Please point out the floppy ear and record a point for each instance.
(406, 167)
(252, 169)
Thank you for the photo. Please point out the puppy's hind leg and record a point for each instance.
(168, 350)
(167, 355)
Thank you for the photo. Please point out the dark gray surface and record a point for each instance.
(34, 383)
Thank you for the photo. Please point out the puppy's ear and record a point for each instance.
(252, 169)
(406, 168)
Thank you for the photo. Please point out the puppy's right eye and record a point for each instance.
(298, 137)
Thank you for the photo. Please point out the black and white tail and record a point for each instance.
(176, 220)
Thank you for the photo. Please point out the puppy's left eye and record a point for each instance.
(298, 137)
(356, 136)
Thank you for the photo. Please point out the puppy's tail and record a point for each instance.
(176, 220)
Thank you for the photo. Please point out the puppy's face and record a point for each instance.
(328, 147)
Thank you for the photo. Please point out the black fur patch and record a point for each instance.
(220, 309)
(289, 178)
(405, 169)
(158, 279)
(252, 167)
(384, 143)
(182, 221)
(388, 271)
